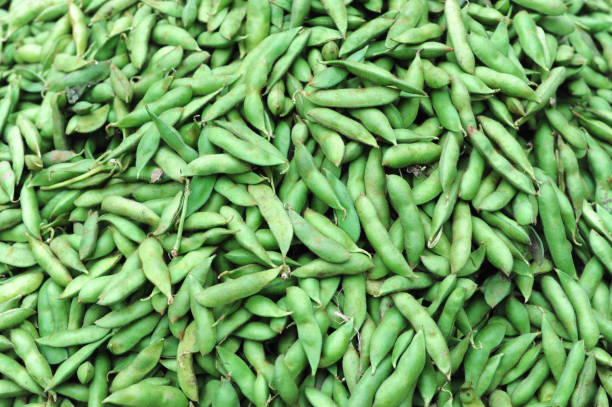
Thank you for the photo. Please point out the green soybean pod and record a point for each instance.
(552, 8)
(410, 366)
(98, 388)
(67, 368)
(471, 179)
(343, 124)
(364, 392)
(498, 199)
(524, 209)
(380, 76)
(500, 398)
(154, 267)
(506, 83)
(496, 250)
(591, 276)
(235, 193)
(330, 142)
(561, 304)
(284, 63)
(130, 209)
(487, 374)
(309, 333)
(318, 243)
(571, 134)
(350, 367)
(585, 386)
(243, 234)
(587, 325)
(385, 336)
(85, 372)
(336, 344)
(420, 34)
(409, 16)
(349, 222)
(442, 212)
(120, 84)
(553, 348)
(34, 361)
(337, 11)
(29, 209)
(358, 263)
(361, 36)
(148, 394)
(507, 143)
(513, 350)
(375, 121)
(186, 375)
(550, 216)
(17, 373)
(402, 201)
(66, 254)
(48, 262)
(318, 398)
(272, 210)
(499, 162)
(138, 368)
(420, 319)
(70, 337)
(354, 183)
(452, 306)
(128, 337)
(404, 155)
(20, 285)
(414, 76)
(487, 339)
(530, 385)
(458, 36)
(547, 88)
(216, 163)
(284, 382)
(445, 110)
(235, 289)
(494, 59)
(526, 362)
(330, 230)
(206, 335)
(313, 178)
(599, 161)
(172, 137)
(124, 316)
(601, 398)
(379, 238)
(461, 242)
(47, 322)
(601, 248)
(374, 182)
(261, 391)
(567, 380)
(89, 236)
(526, 31)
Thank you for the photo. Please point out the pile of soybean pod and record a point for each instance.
(345, 203)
